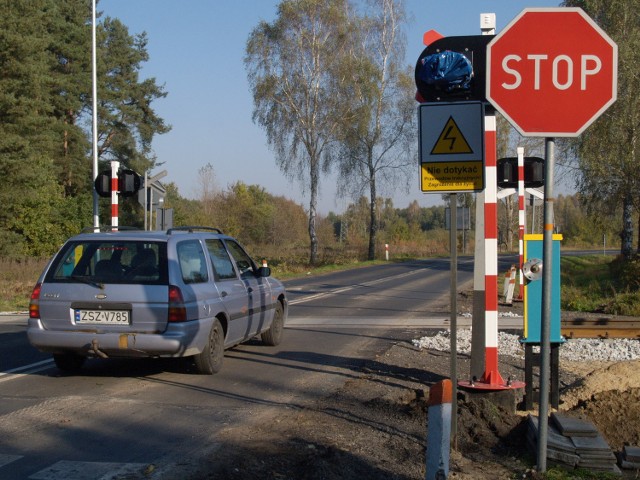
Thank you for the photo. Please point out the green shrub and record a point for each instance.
(623, 304)
(626, 273)
(574, 299)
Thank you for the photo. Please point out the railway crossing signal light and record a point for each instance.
(129, 182)
(451, 69)
(507, 172)
(103, 183)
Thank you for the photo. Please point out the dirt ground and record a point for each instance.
(374, 426)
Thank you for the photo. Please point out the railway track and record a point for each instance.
(600, 327)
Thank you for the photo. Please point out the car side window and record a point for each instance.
(193, 264)
(66, 266)
(243, 261)
(222, 264)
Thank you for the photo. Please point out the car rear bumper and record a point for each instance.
(178, 340)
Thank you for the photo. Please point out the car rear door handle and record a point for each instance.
(223, 294)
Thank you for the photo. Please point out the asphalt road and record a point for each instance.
(118, 416)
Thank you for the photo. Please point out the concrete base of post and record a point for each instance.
(507, 400)
(439, 430)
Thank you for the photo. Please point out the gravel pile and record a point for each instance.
(508, 344)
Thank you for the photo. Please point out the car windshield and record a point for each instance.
(111, 261)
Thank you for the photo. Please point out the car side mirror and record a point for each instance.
(264, 272)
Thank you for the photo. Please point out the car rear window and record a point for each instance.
(111, 261)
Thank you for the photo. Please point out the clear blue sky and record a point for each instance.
(196, 51)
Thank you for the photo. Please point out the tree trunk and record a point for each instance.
(626, 248)
(313, 239)
(638, 251)
(510, 205)
(373, 224)
(373, 231)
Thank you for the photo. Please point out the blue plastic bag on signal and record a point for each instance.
(447, 70)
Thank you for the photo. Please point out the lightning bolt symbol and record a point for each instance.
(447, 137)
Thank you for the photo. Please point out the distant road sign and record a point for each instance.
(451, 147)
(552, 71)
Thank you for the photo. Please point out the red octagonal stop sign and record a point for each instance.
(551, 72)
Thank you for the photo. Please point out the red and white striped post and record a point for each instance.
(491, 375)
(521, 218)
(115, 166)
(491, 378)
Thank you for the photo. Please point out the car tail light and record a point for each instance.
(34, 303)
(177, 310)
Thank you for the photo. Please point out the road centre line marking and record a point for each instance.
(351, 287)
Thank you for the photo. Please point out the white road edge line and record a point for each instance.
(26, 369)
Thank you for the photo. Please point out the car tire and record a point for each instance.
(69, 362)
(273, 336)
(209, 361)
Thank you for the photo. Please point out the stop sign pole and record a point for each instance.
(551, 72)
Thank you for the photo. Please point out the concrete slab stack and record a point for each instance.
(574, 443)
(630, 458)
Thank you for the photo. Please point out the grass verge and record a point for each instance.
(601, 284)
(17, 279)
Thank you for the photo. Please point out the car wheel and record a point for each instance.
(68, 362)
(209, 361)
(273, 336)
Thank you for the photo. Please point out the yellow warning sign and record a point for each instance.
(451, 141)
(452, 176)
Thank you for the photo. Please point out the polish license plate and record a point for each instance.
(102, 317)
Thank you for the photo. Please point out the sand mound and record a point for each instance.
(621, 376)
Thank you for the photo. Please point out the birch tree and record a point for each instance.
(292, 66)
(377, 141)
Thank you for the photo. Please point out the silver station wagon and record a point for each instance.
(186, 292)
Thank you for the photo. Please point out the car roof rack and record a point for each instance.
(193, 228)
(107, 228)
